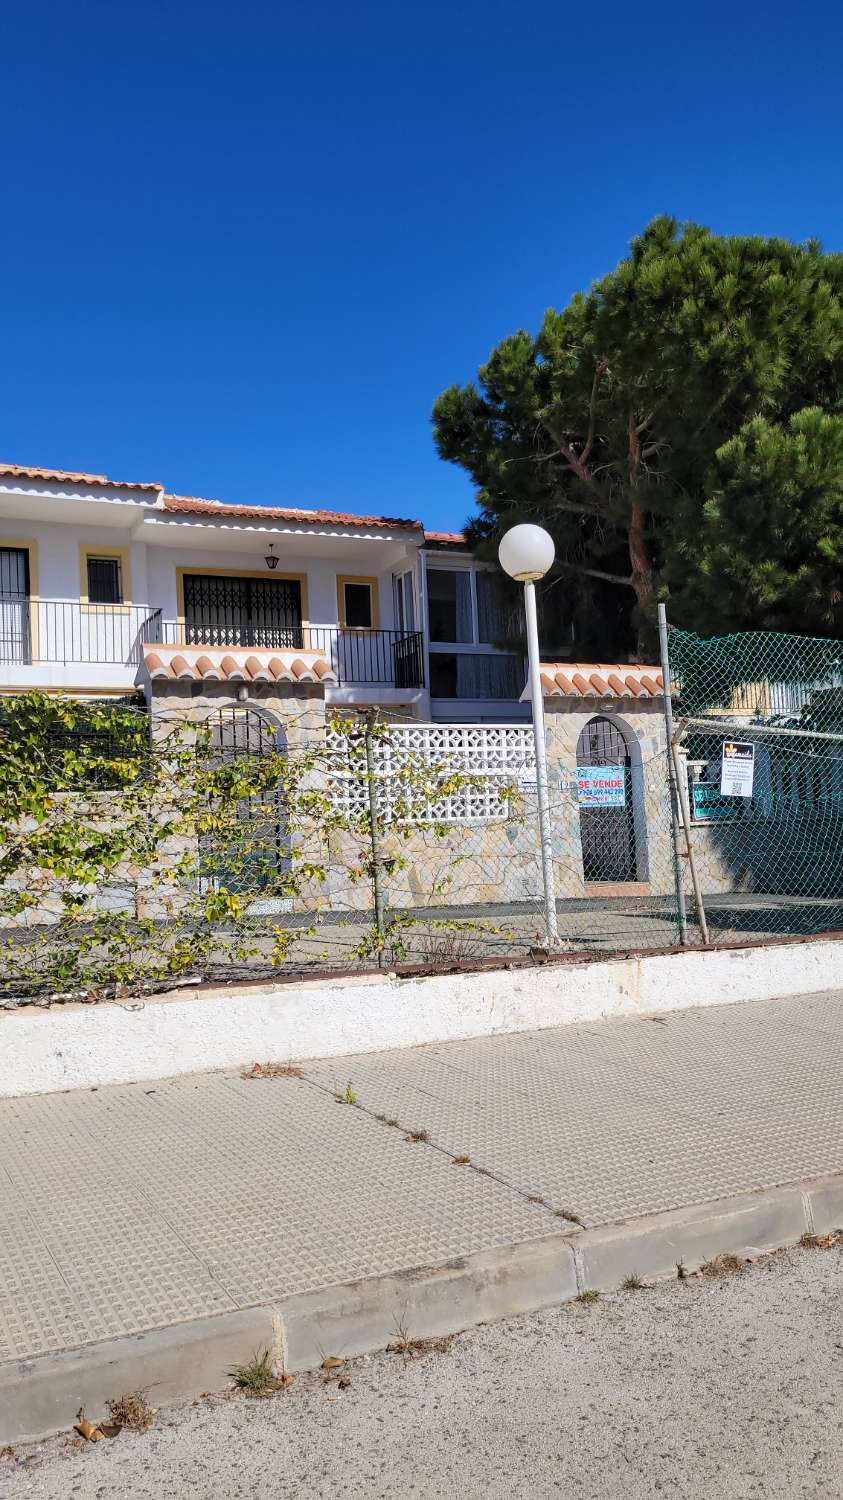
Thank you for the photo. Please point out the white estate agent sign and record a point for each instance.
(601, 786)
(737, 768)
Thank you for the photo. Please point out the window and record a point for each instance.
(358, 606)
(494, 615)
(357, 599)
(105, 580)
(405, 604)
(449, 604)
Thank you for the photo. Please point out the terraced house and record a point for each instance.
(258, 620)
(108, 586)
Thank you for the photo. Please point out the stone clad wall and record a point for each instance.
(474, 863)
(298, 709)
(499, 860)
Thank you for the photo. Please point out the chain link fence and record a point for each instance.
(227, 851)
(759, 741)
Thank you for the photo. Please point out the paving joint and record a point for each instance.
(158, 1234)
(559, 1215)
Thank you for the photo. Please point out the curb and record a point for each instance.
(183, 1361)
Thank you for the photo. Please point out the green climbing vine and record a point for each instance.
(128, 863)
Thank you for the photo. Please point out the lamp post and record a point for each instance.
(526, 553)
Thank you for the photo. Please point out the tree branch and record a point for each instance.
(575, 509)
(574, 462)
(599, 371)
(596, 573)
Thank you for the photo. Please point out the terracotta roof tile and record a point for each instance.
(194, 506)
(452, 539)
(22, 471)
(210, 664)
(572, 679)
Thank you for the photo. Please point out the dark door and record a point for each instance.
(607, 833)
(242, 611)
(15, 635)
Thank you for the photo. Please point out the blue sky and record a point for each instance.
(245, 246)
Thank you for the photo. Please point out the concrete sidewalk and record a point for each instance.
(182, 1205)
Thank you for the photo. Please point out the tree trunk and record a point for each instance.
(643, 576)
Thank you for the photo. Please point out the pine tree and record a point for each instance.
(629, 426)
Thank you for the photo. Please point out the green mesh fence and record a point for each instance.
(759, 734)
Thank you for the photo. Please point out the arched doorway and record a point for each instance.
(607, 832)
(251, 855)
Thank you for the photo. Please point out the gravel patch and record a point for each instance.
(708, 1388)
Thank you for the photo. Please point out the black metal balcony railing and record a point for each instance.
(359, 658)
(67, 631)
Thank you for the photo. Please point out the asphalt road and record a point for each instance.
(703, 1388)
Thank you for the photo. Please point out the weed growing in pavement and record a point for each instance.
(722, 1265)
(256, 1376)
(633, 1283)
(417, 1135)
(131, 1410)
(349, 1097)
(412, 1348)
(588, 1296)
(811, 1241)
(461, 1161)
(273, 1070)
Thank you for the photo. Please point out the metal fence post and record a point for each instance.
(672, 780)
(543, 798)
(369, 718)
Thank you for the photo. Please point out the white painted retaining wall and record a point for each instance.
(76, 1046)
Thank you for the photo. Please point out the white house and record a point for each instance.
(95, 574)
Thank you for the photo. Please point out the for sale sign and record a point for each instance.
(601, 786)
(737, 768)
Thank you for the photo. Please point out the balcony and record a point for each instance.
(65, 632)
(360, 658)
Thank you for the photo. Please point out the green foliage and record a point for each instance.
(126, 864)
(642, 417)
(256, 1376)
(770, 547)
(123, 866)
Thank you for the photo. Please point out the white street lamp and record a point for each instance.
(526, 553)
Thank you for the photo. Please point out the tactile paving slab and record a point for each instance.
(137, 1207)
(614, 1119)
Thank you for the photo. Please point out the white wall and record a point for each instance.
(156, 549)
(321, 574)
(153, 567)
(58, 562)
(87, 1046)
